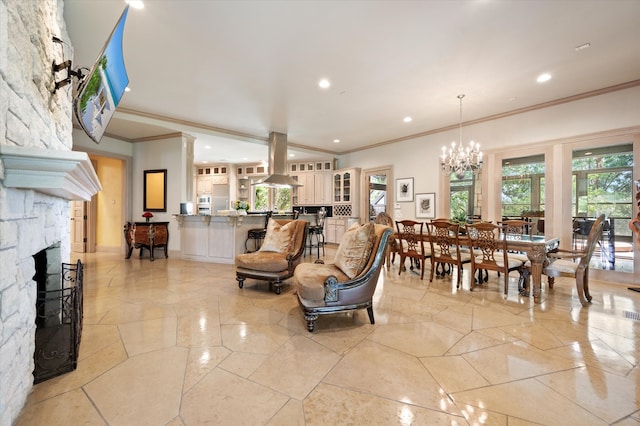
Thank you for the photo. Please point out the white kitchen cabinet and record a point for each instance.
(336, 226)
(316, 189)
(203, 185)
(323, 188)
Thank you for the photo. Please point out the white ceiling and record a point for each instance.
(245, 68)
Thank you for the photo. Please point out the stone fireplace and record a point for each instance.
(39, 175)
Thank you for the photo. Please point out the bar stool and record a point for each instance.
(257, 234)
(316, 232)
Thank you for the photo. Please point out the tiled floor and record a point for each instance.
(173, 342)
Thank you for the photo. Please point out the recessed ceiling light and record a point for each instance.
(407, 119)
(207, 147)
(583, 46)
(292, 155)
(588, 153)
(324, 83)
(136, 4)
(543, 77)
(336, 141)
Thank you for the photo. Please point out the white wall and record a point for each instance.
(418, 158)
(153, 155)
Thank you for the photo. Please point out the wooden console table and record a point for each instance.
(149, 235)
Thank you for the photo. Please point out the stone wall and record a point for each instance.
(31, 116)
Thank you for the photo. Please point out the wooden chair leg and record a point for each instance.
(580, 288)
(587, 295)
(472, 281)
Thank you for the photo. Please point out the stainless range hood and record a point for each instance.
(278, 177)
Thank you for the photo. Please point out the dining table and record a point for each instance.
(536, 247)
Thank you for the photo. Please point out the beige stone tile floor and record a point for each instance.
(174, 342)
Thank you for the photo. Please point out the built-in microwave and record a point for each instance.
(204, 199)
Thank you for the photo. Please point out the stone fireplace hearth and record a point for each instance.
(39, 175)
(36, 186)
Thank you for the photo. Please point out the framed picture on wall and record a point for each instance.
(155, 191)
(426, 205)
(404, 190)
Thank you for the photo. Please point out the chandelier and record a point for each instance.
(458, 159)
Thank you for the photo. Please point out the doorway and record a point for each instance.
(78, 226)
(378, 191)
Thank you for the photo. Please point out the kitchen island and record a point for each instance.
(218, 238)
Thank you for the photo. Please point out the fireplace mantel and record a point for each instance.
(66, 174)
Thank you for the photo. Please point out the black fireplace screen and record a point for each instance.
(59, 325)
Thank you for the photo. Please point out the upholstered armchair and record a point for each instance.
(277, 258)
(349, 282)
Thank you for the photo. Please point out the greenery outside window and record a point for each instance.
(462, 192)
(602, 182)
(266, 199)
(523, 186)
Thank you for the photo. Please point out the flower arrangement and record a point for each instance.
(241, 205)
(147, 215)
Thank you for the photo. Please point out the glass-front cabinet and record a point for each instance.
(345, 193)
(342, 187)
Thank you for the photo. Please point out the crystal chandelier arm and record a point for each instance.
(459, 159)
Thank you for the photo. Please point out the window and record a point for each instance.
(282, 199)
(603, 183)
(267, 199)
(462, 192)
(523, 186)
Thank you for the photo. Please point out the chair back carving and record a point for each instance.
(517, 228)
(410, 234)
(444, 237)
(412, 245)
(489, 251)
(320, 217)
(486, 239)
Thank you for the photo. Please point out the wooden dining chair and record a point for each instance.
(575, 263)
(411, 244)
(489, 245)
(444, 239)
(515, 228)
(383, 218)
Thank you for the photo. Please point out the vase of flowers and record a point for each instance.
(241, 207)
(147, 215)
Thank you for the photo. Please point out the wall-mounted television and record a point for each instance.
(101, 90)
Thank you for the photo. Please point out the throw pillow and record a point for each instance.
(354, 251)
(278, 238)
